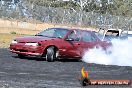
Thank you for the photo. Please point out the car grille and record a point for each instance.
(21, 42)
(21, 50)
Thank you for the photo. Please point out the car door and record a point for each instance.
(89, 41)
(72, 46)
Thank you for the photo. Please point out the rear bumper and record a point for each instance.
(25, 53)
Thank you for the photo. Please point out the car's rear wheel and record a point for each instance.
(51, 54)
(21, 56)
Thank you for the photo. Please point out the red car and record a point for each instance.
(56, 42)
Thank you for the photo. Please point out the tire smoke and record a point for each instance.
(120, 53)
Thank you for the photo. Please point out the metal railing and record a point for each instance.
(64, 16)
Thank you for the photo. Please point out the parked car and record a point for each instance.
(54, 43)
(109, 34)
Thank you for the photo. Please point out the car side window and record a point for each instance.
(75, 35)
(94, 38)
(87, 37)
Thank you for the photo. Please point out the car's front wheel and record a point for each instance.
(51, 54)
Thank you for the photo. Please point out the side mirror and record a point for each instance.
(69, 39)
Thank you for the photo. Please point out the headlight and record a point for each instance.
(32, 44)
(14, 42)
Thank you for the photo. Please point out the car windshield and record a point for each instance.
(54, 33)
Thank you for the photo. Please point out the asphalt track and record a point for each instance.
(37, 73)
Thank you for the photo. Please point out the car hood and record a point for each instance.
(32, 39)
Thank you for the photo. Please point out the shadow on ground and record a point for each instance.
(43, 59)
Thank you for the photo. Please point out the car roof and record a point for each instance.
(74, 29)
(60, 28)
(83, 30)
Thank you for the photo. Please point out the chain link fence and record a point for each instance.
(23, 10)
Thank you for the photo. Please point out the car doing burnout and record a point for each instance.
(54, 43)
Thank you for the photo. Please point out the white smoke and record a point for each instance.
(120, 53)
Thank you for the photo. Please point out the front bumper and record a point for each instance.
(26, 50)
(25, 53)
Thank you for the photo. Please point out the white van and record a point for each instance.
(109, 34)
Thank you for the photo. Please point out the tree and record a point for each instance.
(114, 7)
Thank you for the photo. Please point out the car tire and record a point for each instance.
(50, 55)
(21, 56)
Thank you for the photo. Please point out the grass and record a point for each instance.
(13, 32)
(5, 39)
